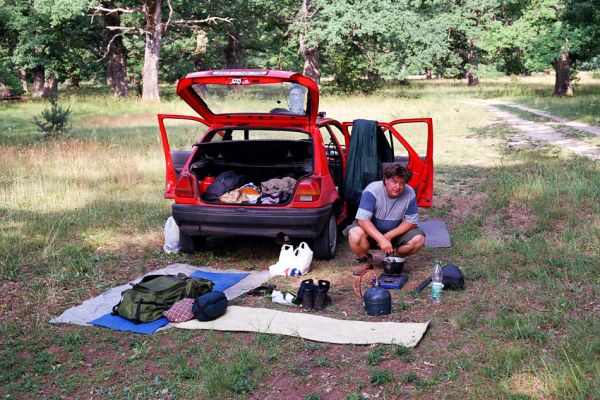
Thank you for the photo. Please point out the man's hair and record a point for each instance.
(398, 170)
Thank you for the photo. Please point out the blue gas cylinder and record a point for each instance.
(378, 301)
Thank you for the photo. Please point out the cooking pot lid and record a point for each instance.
(393, 259)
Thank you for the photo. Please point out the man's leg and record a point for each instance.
(358, 240)
(412, 246)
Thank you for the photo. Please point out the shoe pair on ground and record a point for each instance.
(313, 296)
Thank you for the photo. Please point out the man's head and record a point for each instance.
(395, 177)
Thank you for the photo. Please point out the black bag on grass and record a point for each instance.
(147, 300)
(452, 279)
(223, 183)
(210, 306)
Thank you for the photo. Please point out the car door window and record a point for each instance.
(334, 152)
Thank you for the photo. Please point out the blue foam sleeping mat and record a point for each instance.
(222, 281)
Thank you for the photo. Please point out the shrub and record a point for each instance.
(54, 122)
(381, 377)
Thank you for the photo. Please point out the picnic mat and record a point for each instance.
(312, 327)
(436, 233)
(96, 311)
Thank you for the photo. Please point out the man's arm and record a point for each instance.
(404, 227)
(382, 241)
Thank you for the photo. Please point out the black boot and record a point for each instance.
(305, 285)
(308, 297)
(322, 300)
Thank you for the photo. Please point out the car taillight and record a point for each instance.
(309, 189)
(186, 185)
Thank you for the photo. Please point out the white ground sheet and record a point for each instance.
(312, 327)
(100, 305)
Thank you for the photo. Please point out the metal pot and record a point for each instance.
(393, 265)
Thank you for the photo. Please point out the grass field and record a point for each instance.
(85, 213)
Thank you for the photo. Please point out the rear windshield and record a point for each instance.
(233, 134)
(271, 98)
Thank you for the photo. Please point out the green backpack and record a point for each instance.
(147, 300)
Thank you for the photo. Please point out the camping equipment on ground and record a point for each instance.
(180, 311)
(210, 306)
(304, 256)
(322, 300)
(147, 300)
(436, 282)
(97, 311)
(283, 297)
(286, 260)
(368, 149)
(312, 296)
(171, 233)
(262, 291)
(453, 279)
(393, 265)
(293, 262)
(392, 281)
(363, 282)
(311, 326)
(306, 294)
(378, 301)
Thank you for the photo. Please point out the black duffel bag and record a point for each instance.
(223, 183)
(210, 306)
(452, 279)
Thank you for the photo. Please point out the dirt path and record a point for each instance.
(541, 131)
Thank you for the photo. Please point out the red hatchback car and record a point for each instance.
(264, 128)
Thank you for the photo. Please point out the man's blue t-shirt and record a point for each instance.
(385, 212)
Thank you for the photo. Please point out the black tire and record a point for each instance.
(326, 243)
(191, 244)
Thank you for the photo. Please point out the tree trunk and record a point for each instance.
(233, 51)
(472, 79)
(23, 78)
(74, 82)
(428, 74)
(152, 15)
(38, 81)
(310, 54)
(51, 87)
(200, 52)
(116, 70)
(563, 86)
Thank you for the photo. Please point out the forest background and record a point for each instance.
(354, 45)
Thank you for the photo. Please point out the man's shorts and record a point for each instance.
(397, 241)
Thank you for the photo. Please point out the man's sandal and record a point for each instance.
(364, 263)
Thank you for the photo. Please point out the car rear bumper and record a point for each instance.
(233, 221)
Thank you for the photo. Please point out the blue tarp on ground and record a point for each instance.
(222, 281)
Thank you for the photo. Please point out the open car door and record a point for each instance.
(411, 141)
(183, 131)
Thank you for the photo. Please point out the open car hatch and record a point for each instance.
(232, 97)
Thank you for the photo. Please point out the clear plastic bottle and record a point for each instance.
(297, 99)
(437, 276)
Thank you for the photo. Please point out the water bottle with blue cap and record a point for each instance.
(297, 99)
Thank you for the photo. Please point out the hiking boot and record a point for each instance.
(306, 294)
(364, 263)
(308, 298)
(322, 300)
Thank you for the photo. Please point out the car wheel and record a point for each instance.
(191, 244)
(325, 244)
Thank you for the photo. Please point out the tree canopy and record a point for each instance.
(135, 44)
